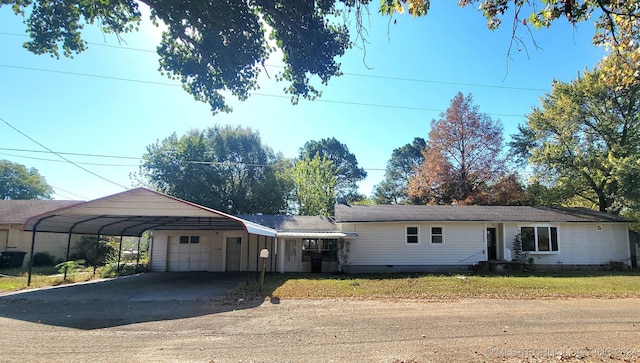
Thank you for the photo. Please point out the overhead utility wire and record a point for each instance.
(402, 79)
(60, 156)
(224, 163)
(253, 93)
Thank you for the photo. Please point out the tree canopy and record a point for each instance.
(214, 47)
(225, 168)
(315, 182)
(348, 172)
(584, 141)
(18, 182)
(403, 165)
(462, 157)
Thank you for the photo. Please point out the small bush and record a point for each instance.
(43, 259)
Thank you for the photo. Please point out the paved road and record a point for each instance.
(161, 321)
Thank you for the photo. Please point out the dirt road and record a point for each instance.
(195, 330)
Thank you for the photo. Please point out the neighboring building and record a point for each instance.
(419, 238)
(381, 238)
(13, 215)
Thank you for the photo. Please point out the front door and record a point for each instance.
(292, 255)
(234, 253)
(492, 248)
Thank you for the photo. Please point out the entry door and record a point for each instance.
(234, 253)
(492, 248)
(292, 258)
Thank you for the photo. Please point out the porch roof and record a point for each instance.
(132, 212)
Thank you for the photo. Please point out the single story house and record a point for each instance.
(417, 238)
(190, 237)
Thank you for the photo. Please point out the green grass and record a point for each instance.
(16, 279)
(449, 287)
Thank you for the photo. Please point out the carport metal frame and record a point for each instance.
(189, 216)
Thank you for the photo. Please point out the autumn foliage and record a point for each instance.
(463, 157)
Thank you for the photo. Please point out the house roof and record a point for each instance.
(441, 213)
(18, 211)
(294, 223)
(132, 212)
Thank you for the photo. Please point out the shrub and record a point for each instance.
(43, 259)
(86, 249)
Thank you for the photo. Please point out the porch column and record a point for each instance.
(280, 247)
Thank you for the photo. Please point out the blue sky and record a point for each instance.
(413, 69)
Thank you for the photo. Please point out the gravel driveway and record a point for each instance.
(168, 318)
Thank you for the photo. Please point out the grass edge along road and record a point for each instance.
(429, 287)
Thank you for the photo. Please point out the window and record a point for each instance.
(412, 233)
(327, 248)
(189, 239)
(539, 239)
(437, 235)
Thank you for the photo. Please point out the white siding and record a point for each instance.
(581, 244)
(19, 240)
(159, 252)
(216, 252)
(384, 244)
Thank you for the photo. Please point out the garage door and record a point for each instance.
(188, 253)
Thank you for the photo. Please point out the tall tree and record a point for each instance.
(345, 163)
(315, 181)
(214, 47)
(462, 157)
(584, 140)
(225, 168)
(18, 182)
(404, 162)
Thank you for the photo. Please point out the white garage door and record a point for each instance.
(188, 253)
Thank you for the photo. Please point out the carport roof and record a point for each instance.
(132, 212)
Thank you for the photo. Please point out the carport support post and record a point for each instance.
(119, 255)
(66, 266)
(248, 256)
(138, 254)
(33, 242)
(95, 264)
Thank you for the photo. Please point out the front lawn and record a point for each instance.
(450, 287)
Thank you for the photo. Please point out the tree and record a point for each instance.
(617, 26)
(462, 157)
(345, 163)
(505, 191)
(225, 168)
(405, 160)
(584, 140)
(18, 182)
(315, 182)
(214, 47)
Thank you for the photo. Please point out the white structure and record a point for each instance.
(417, 238)
(190, 237)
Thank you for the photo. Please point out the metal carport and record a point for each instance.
(133, 212)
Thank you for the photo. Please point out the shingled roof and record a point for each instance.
(18, 211)
(293, 223)
(441, 213)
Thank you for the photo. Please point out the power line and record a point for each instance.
(60, 156)
(401, 79)
(64, 161)
(90, 75)
(396, 107)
